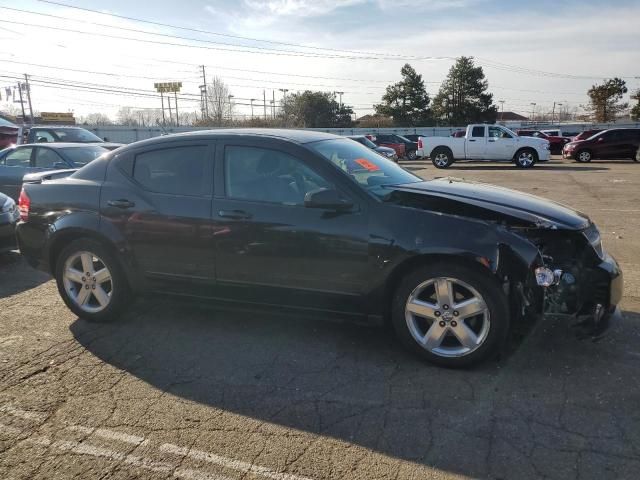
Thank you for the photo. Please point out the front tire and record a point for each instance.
(583, 156)
(526, 158)
(451, 315)
(91, 281)
(441, 158)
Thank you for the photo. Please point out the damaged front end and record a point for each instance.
(576, 277)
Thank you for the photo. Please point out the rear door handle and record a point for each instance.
(121, 203)
(472, 140)
(234, 214)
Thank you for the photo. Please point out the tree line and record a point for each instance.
(463, 98)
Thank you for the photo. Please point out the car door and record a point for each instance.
(13, 166)
(501, 145)
(159, 200)
(476, 145)
(272, 249)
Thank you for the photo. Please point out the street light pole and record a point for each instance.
(533, 111)
(553, 112)
(230, 109)
(501, 102)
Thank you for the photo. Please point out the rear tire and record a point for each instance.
(451, 334)
(411, 155)
(583, 156)
(441, 158)
(91, 281)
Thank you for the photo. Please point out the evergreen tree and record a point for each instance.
(604, 100)
(463, 96)
(407, 101)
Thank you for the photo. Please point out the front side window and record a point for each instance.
(363, 166)
(43, 136)
(47, 158)
(497, 132)
(175, 171)
(20, 157)
(477, 132)
(263, 175)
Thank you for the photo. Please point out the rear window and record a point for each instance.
(82, 155)
(74, 135)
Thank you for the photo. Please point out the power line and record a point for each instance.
(208, 32)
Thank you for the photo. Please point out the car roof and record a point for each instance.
(61, 145)
(66, 127)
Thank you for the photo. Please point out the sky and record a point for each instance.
(532, 52)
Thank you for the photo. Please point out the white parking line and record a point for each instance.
(230, 463)
(109, 434)
(24, 414)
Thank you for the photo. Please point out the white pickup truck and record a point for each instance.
(485, 143)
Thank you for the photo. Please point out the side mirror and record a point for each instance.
(326, 198)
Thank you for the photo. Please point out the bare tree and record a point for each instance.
(96, 119)
(219, 104)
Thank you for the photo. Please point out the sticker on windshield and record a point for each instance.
(372, 167)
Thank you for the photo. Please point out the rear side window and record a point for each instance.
(477, 132)
(176, 171)
(47, 158)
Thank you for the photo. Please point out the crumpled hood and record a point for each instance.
(539, 211)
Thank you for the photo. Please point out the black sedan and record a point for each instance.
(316, 222)
(8, 219)
(16, 162)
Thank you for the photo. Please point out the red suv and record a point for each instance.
(584, 135)
(555, 143)
(388, 140)
(613, 143)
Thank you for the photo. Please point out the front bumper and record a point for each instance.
(568, 154)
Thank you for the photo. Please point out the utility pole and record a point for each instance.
(26, 80)
(252, 100)
(170, 112)
(24, 117)
(175, 96)
(340, 94)
(164, 121)
(273, 102)
(203, 89)
(553, 112)
(264, 102)
(501, 102)
(533, 111)
(230, 109)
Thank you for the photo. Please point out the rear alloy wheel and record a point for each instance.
(441, 158)
(91, 281)
(451, 315)
(583, 156)
(411, 155)
(526, 158)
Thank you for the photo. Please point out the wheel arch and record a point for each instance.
(526, 148)
(442, 147)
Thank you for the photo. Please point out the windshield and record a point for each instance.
(80, 156)
(76, 135)
(366, 142)
(365, 167)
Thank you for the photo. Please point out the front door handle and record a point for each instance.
(121, 203)
(234, 214)
(472, 140)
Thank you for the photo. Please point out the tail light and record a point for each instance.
(24, 204)
(420, 143)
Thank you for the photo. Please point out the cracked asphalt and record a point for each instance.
(179, 389)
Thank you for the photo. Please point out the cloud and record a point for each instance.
(299, 8)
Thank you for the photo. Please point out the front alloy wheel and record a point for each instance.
(526, 159)
(584, 156)
(447, 317)
(451, 314)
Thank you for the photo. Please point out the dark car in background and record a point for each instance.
(316, 222)
(8, 218)
(17, 161)
(616, 143)
(384, 151)
(555, 143)
(8, 133)
(404, 147)
(413, 137)
(65, 134)
(585, 134)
